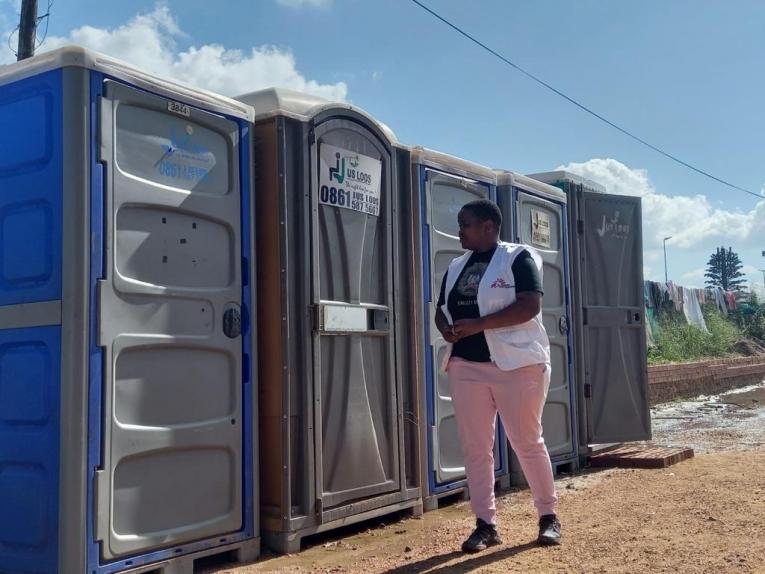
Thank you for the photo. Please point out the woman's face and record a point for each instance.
(474, 233)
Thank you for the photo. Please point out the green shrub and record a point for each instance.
(750, 317)
(677, 341)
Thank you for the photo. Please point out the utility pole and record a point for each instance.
(666, 280)
(27, 29)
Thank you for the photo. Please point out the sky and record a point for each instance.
(685, 75)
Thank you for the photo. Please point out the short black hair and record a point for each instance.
(485, 210)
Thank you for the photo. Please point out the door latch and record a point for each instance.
(563, 325)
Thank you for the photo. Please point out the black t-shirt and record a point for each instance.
(463, 298)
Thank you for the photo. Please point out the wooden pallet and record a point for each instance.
(641, 456)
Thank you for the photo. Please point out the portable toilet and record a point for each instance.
(127, 419)
(335, 313)
(536, 214)
(610, 356)
(442, 184)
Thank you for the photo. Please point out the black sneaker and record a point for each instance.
(483, 536)
(549, 530)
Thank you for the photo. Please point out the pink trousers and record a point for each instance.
(479, 391)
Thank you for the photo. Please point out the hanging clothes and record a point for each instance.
(652, 326)
(657, 295)
(649, 338)
(720, 301)
(730, 299)
(692, 309)
(702, 296)
(647, 294)
(675, 295)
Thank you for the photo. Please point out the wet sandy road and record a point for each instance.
(706, 514)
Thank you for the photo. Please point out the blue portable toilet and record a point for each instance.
(442, 184)
(127, 397)
(537, 215)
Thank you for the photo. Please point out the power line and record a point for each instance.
(581, 106)
(45, 17)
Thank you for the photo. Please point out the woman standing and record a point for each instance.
(490, 310)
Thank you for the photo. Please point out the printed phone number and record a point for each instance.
(351, 199)
(179, 171)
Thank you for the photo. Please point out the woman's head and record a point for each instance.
(479, 222)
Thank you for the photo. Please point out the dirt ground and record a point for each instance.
(706, 514)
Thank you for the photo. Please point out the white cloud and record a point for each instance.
(150, 42)
(695, 225)
(9, 19)
(305, 3)
(690, 220)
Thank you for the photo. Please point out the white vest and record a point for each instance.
(510, 347)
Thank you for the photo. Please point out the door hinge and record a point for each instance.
(100, 524)
(580, 226)
(245, 271)
(101, 285)
(311, 137)
(314, 312)
(588, 390)
(319, 507)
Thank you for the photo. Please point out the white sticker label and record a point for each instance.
(350, 180)
(540, 228)
(178, 108)
(345, 318)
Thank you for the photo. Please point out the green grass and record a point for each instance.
(678, 341)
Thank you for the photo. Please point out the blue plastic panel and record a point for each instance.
(31, 189)
(30, 376)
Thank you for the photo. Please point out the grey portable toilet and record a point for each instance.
(336, 342)
(610, 358)
(127, 415)
(441, 185)
(538, 214)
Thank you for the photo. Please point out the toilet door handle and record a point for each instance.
(232, 321)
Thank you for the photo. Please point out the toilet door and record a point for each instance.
(445, 194)
(357, 435)
(169, 324)
(540, 224)
(616, 375)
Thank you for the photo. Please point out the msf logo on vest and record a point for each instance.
(500, 283)
(612, 227)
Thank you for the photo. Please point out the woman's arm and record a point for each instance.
(525, 308)
(442, 324)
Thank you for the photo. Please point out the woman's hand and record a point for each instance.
(443, 326)
(467, 327)
(449, 335)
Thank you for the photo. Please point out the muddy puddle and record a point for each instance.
(733, 420)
